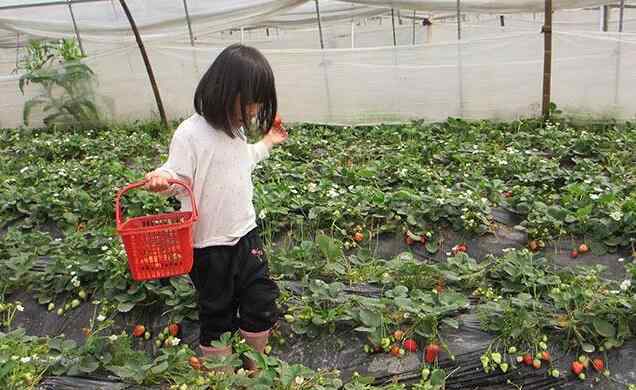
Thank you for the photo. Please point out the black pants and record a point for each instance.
(235, 290)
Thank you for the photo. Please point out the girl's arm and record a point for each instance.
(260, 150)
(180, 166)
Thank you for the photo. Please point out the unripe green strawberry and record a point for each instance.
(504, 367)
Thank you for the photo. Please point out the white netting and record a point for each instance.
(495, 72)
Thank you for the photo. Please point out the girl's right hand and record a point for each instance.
(157, 181)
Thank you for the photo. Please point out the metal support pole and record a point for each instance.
(144, 55)
(604, 18)
(75, 29)
(414, 23)
(547, 59)
(502, 23)
(17, 51)
(353, 32)
(322, 42)
(621, 17)
(459, 21)
(187, 14)
(393, 25)
(242, 34)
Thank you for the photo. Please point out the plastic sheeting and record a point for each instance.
(495, 72)
(493, 77)
(485, 6)
(157, 19)
(166, 19)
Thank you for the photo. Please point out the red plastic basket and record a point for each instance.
(158, 246)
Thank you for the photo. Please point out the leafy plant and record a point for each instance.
(67, 94)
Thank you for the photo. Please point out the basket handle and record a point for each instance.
(141, 183)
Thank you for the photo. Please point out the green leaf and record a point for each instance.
(68, 344)
(125, 307)
(604, 328)
(452, 322)
(88, 365)
(329, 248)
(121, 371)
(589, 348)
(370, 318)
(158, 369)
(438, 377)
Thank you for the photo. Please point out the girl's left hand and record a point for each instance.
(276, 136)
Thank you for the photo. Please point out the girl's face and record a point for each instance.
(252, 111)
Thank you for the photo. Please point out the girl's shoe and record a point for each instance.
(258, 341)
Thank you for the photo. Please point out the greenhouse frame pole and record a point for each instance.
(414, 23)
(144, 55)
(459, 21)
(75, 29)
(187, 14)
(393, 26)
(353, 45)
(322, 42)
(17, 50)
(621, 17)
(547, 59)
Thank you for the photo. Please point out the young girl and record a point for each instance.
(209, 151)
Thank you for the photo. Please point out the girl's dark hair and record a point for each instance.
(239, 71)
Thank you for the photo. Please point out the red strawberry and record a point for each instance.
(545, 356)
(139, 330)
(459, 248)
(358, 237)
(533, 245)
(395, 351)
(410, 345)
(577, 368)
(195, 362)
(440, 286)
(398, 335)
(507, 194)
(536, 363)
(574, 254)
(583, 248)
(431, 352)
(598, 364)
(173, 329)
(527, 359)
(278, 122)
(408, 240)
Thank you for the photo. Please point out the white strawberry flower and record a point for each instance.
(101, 318)
(25, 359)
(626, 285)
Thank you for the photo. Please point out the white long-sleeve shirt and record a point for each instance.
(220, 170)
